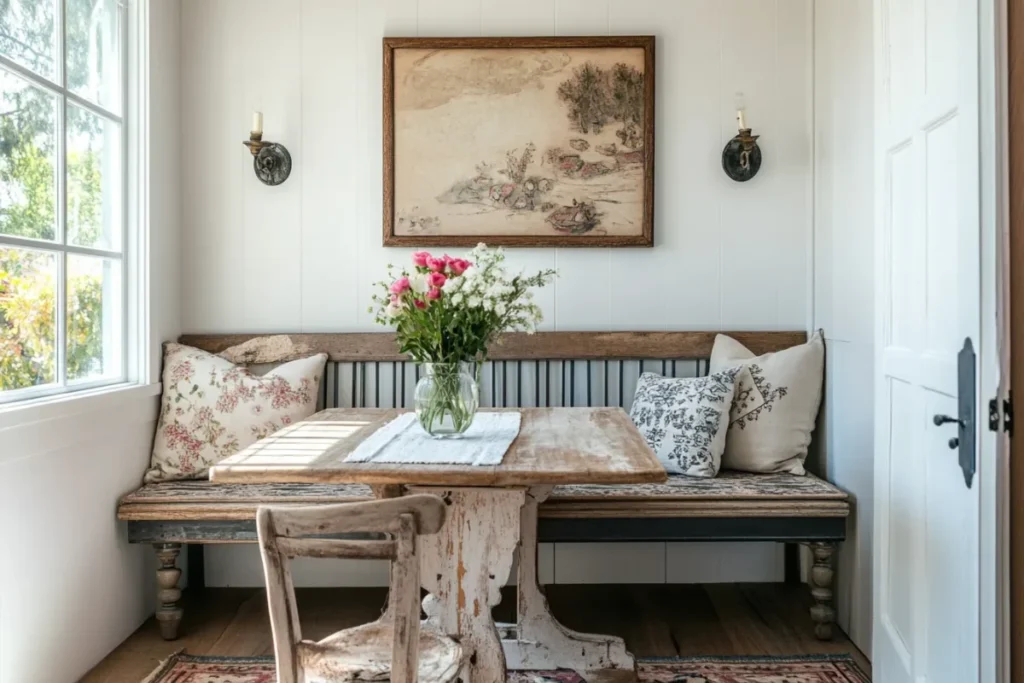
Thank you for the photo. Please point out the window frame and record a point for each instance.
(128, 257)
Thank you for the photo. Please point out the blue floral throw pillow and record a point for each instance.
(685, 420)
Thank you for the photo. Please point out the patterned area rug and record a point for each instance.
(812, 669)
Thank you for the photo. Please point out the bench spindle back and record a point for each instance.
(504, 383)
(548, 369)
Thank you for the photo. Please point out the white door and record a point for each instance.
(926, 601)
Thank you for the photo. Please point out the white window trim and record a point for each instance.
(68, 404)
(135, 377)
(138, 327)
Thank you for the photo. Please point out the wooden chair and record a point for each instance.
(393, 647)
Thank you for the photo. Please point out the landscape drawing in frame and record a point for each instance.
(519, 141)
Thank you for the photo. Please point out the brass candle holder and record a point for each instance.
(271, 160)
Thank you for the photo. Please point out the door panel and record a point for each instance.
(927, 303)
(903, 528)
(905, 246)
(950, 606)
(941, 27)
(942, 238)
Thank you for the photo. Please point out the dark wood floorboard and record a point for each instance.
(655, 620)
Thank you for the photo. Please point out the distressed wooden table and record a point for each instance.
(492, 511)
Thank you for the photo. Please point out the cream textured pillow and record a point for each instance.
(775, 407)
(213, 408)
(684, 420)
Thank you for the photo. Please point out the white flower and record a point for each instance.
(474, 302)
(456, 298)
(418, 283)
(500, 309)
(393, 310)
(451, 285)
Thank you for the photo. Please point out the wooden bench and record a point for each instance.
(546, 369)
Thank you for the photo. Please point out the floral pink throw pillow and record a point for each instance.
(213, 408)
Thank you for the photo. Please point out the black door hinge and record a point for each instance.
(1008, 413)
(1001, 420)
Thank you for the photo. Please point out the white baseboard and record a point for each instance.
(580, 563)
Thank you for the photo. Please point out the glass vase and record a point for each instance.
(446, 399)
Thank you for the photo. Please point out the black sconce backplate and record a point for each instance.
(273, 164)
(733, 160)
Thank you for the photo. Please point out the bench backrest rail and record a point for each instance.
(548, 369)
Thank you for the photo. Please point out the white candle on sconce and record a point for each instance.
(257, 123)
(740, 119)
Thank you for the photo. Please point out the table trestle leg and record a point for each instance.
(544, 643)
(464, 566)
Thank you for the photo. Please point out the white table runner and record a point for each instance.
(403, 441)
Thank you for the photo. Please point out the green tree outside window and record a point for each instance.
(28, 202)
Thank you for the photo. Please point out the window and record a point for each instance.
(62, 196)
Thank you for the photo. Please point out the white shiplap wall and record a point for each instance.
(69, 560)
(844, 282)
(303, 256)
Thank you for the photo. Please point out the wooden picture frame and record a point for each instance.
(457, 88)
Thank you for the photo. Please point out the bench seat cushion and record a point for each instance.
(731, 494)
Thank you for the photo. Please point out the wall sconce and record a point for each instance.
(741, 158)
(270, 160)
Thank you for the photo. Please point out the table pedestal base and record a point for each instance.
(542, 642)
(464, 567)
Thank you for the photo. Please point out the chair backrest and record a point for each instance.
(286, 532)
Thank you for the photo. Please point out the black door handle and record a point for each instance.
(940, 420)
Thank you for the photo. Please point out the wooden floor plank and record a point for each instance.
(655, 620)
(745, 630)
(790, 604)
(615, 610)
(694, 625)
(208, 619)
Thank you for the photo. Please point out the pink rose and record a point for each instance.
(436, 264)
(436, 280)
(400, 285)
(419, 303)
(420, 258)
(434, 294)
(459, 266)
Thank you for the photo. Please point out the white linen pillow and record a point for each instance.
(212, 408)
(684, 420)
(775, 407)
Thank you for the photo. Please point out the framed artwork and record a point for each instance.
(519, 141)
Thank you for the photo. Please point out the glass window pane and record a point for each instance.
(93, 49)
(28, 318)
(94, 180)
(28, 188)
(94, 318)
(28, 34)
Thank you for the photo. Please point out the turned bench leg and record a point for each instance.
(168, 613)
(823, 614)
